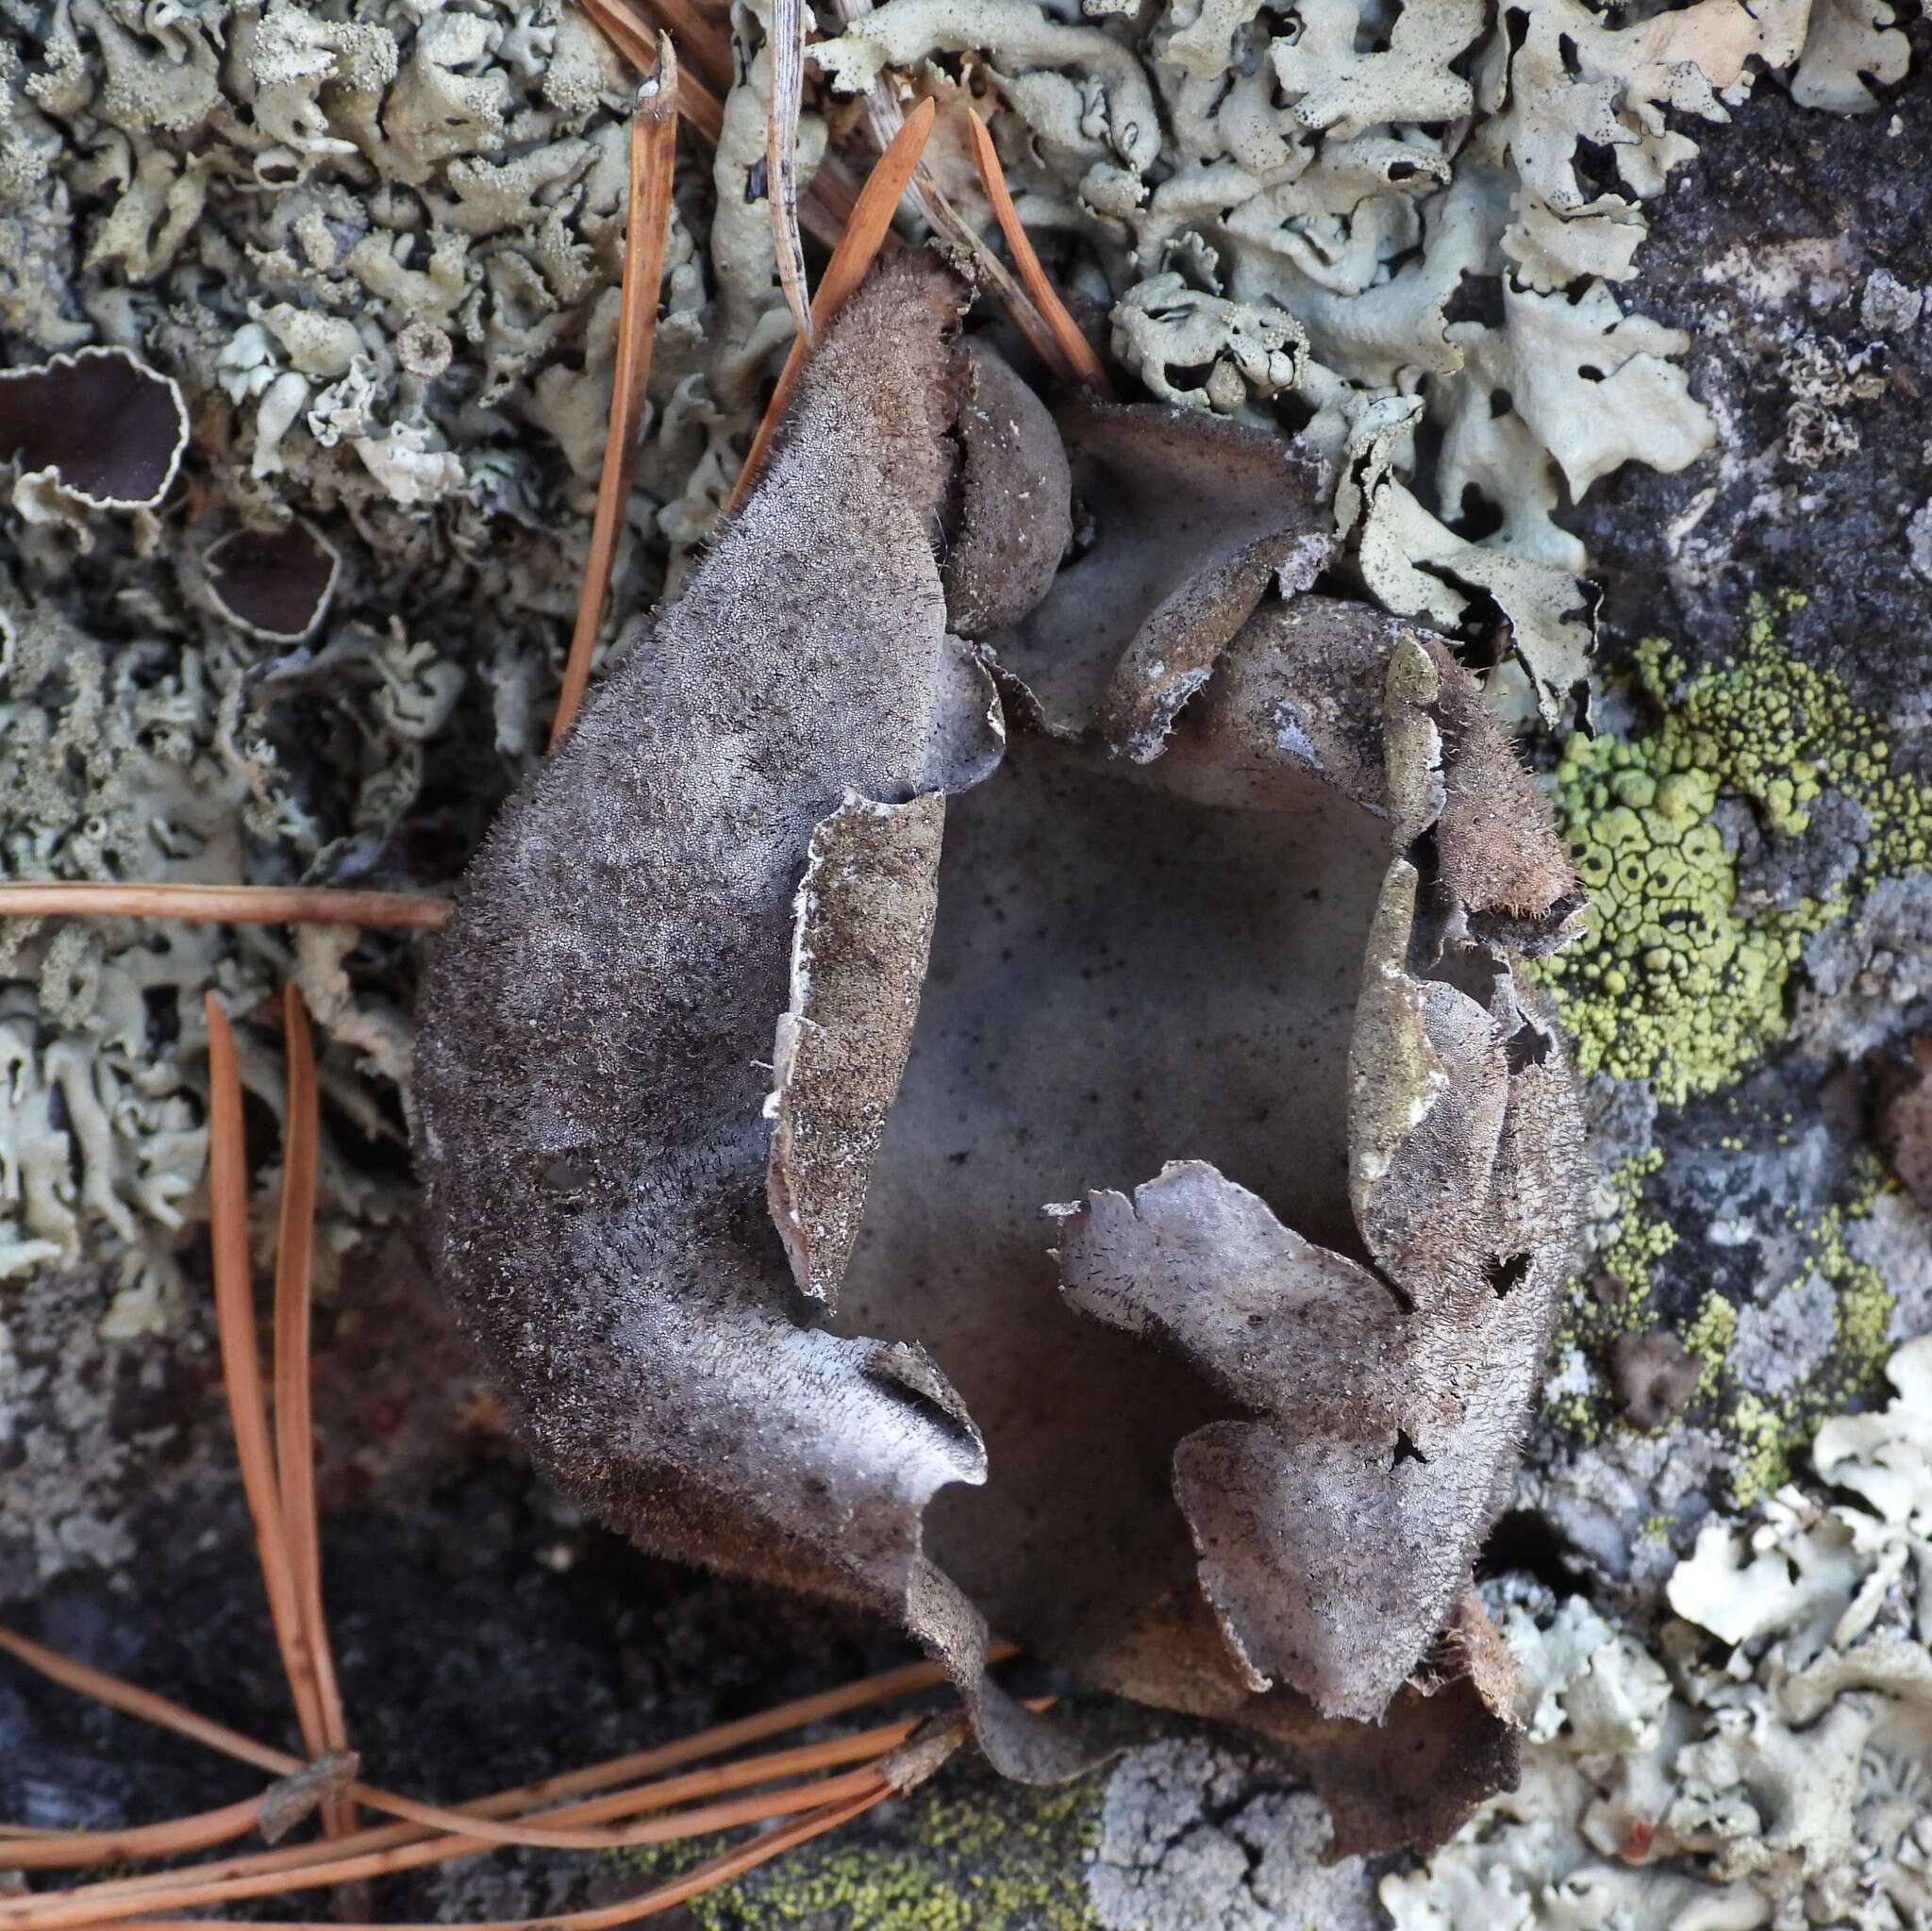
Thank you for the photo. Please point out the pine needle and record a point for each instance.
(1076, 353)
(826, 206)
(653, 163)
(885, 117)
(238, 905)
(295, 1432)
(703, 38)
(228, 1186)
(638, 43)
(786, 90)
(412, 1847)
(71, 1849)
(86, 1906)
(432, 1834)
(694, 1883)
(878, 201)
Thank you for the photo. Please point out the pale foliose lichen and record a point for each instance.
(134, 760)
(1195, 1836)
(371, 255)
(1762, 1763)
(1375, 220)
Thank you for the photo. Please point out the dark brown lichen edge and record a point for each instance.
(1235, 1469)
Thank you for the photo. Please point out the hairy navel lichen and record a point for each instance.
(1682, 976)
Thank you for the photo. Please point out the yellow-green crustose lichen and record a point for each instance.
(1766, 1429)
(1674, 981)
(973, 1856)
(1770, 1430)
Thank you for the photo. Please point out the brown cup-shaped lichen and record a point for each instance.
(275, 583)
(791, 1020)
(111, 429)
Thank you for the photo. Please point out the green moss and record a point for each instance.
(1674, 982)
(971, 1854)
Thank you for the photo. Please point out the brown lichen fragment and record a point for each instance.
(295, 1798)
(274, 583)
(1015, 518)
(865, 911)
(1188, 521)
(1905, 1116)
(1653, 1376)
(110, 430)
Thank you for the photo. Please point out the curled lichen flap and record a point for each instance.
(1113, 113)
(600, 1211)
(1387, 1400)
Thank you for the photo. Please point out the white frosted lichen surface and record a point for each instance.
(1340, 179)
(1763, 1762)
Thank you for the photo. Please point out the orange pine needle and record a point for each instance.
(826, 206)
(295, 1432)
(696, 103)
(75, 1849)
(165, 1714)
(1077, 357)
(468, 1829)
(694, 1883)
(878, 201)
(705, 40)
(652, 161)
(237, 905)
(411, 1847)
(86, 1905)
(227, 1188)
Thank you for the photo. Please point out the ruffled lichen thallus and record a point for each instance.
(989, 1077)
